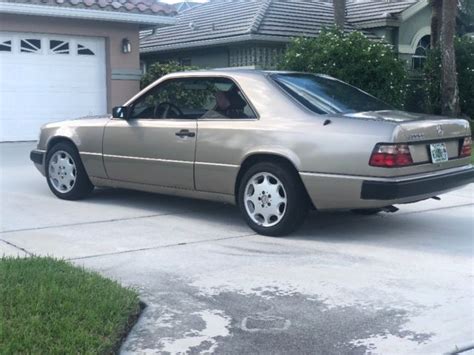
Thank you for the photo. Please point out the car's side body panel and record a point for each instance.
(148, 151)
(330, 152)
(86, 134)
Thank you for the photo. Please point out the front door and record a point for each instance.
(156, 144)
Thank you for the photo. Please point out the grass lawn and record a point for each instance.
(48, 306)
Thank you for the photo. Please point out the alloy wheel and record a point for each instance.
(62, 171)
(265, 199)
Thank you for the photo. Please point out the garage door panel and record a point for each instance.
(51, 84)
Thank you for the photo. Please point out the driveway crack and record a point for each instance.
(162, 246)
(112, 220)
(17, 247)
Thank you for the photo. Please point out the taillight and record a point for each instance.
(391, 156)
(466, 149)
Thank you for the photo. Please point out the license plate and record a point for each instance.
(439, 153)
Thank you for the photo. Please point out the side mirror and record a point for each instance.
(120, 112)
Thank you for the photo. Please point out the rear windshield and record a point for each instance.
(323, 95)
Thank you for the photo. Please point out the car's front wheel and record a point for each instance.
(65, 173)
(272, 199)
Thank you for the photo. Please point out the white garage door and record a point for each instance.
(46, 78)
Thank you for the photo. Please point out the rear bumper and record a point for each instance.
(342, 192)
(387, 190)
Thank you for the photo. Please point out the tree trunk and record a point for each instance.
(449, 82)
(339, 13)
(436, 21)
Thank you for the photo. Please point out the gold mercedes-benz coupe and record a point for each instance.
(273, 143)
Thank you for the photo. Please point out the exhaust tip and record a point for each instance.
(390, 209)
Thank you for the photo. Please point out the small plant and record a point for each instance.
(353, 58)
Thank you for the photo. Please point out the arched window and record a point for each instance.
(421, 51)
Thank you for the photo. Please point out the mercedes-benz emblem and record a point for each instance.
(440, 130)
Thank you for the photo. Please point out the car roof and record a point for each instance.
(230, 72)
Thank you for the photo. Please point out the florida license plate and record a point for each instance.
(439, 153)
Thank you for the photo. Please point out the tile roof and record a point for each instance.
(375, 10)
(150, 7)
(225, 21)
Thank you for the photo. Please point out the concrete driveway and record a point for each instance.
(344, 284)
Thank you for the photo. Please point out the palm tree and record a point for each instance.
(339, 13)
(436, 20)
(449, 83)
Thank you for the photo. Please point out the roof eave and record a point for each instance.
(144, 20)
(215, 42)
(376, 23)
(413, 10)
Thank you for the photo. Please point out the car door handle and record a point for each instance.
(185, 133)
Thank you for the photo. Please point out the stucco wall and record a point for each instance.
(410, 27)
(261, 54)
(118, 91)
(203, 58)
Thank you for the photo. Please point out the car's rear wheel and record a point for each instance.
(65, 173)
(272, 199)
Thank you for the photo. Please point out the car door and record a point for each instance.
(155, 144)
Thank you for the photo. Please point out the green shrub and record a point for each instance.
(353, 58)
(416, 95)
(157, 70)
(465, 67)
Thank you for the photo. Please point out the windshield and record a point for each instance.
(323, 94)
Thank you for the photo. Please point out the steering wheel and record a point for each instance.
(168, 107)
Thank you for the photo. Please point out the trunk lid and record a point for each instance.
(420, 132)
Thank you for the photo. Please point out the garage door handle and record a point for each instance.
(185, 133)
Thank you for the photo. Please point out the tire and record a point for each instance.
(367, 212)
(65, 173)
(284, 190)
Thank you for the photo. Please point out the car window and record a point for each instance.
(193, 98)
(323, 94)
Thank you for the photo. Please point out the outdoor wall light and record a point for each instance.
(126, 46)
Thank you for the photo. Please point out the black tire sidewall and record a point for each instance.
(297, 202)
(82, 186)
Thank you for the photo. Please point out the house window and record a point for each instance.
(6, 46)
(419, 58)
(59, 47)
(30, 45)
(82, 50)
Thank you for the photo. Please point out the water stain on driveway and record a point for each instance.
(184, 320)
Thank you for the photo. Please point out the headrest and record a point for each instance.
(222, 101)
(236, 101)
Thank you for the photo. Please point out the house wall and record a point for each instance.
(122, 69)
(389, 33)
(261, 55)
(412, 30)
(203, 58)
